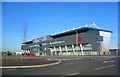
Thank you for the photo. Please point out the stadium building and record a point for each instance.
(77, 41)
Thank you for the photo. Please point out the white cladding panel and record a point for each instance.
(106, 39)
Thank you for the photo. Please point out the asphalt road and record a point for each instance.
(26, 62)
(70, 66)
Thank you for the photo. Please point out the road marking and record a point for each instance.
(100, 68)
(104, 67)
(68, 59)
(110, 66)
(108, 61)
(74, 73)
(32, 66)
(49, 59)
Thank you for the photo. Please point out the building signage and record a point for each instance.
(79, 39)
(56, 42)
(34, 46)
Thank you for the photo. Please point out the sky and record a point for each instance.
(44, 18)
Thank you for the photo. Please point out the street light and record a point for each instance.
(76, 39)
(37, 49)
(77, 42)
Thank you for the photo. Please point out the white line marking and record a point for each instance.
(32, 66)
(49, 59)
(111, 66)
(74, 73)
(100, 68)
(104, 67)
(68, 59)
(108, 61)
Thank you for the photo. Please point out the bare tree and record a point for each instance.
(24, 31)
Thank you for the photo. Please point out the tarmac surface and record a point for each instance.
(70, 66)
(26, 62)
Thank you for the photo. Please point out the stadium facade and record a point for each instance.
(80, 41)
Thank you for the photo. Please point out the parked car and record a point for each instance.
(29, 54)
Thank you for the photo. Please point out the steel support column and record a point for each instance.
(81, 49)
(73, 49)
(60, 50)
(66, 49)
(55, 50)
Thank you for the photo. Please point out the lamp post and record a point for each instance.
(77, 42)
(76, 39)
(37, 46)
(37, 49)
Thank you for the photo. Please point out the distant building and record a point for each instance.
(113, 51)
(80, 41)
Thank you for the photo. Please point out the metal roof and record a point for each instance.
(79, 30)
(72, 31)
